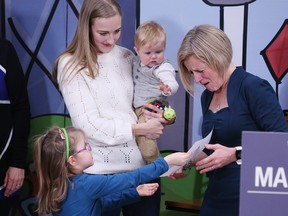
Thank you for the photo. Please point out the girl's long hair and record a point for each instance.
(51, 167)
(82, 50)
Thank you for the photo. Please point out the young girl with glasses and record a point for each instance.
(61, 156)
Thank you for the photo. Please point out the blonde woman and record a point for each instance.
(233, 101)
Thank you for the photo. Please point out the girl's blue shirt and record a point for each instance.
(91, 194)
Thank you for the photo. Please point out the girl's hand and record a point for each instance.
(221, 156)
(177, 158)
(147, 189)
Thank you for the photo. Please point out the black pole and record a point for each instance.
(222, 18)
(137, 13)
(245, 30)
(2, 18)
(187, 121)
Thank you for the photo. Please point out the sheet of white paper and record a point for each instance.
(196, 148)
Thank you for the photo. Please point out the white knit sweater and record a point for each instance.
(102, 107)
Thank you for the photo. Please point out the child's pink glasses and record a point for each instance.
(86, 147)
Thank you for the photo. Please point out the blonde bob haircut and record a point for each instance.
(210, 45)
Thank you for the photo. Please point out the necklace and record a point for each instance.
(220, 95)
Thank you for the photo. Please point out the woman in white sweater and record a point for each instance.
(95, 78)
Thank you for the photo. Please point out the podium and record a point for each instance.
(264, 174)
